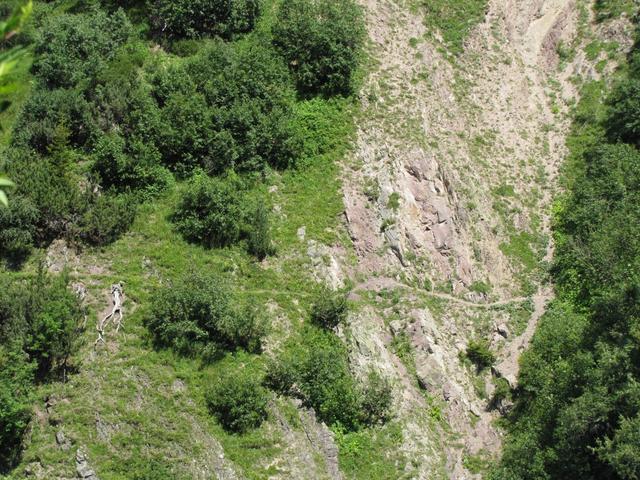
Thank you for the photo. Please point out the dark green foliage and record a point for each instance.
(107, 218)
(51, 116)
(16, 377)
(251, 100)
(133, 168)
(196, 315)
(38, 322)
(41, 315)
(622, 451)
(72, 49)
(480, 355)
(201, 18)
(327, 385)
(320, 40)
(329, 309)
(238, 401)
(211, 211)
(259, 242)
(316, 370)
(17, 230)
(376, 399)
(624, 123)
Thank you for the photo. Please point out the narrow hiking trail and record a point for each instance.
(448, 196)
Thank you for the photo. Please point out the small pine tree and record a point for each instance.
(260, 244)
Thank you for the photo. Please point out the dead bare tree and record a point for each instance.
(117, 297)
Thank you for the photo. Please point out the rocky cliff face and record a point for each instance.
(447, 201)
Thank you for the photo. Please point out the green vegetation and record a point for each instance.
(195, 19)
(321, 40)
(195, 315)
(454, 19)
(480, 354)
(238, 401)
(576, 408)
(317, 365)
(211, 211)
(329, 309)
(162, 154)
(39, 321)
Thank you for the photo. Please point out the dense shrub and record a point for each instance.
(259, 241)
(624, 122)
(211, 211)
(316, 370)
(320, 40)
(199, 18)
(238, 401)
(48, 186)
(17, 230)
(480, 354)
(16, 377)
(329, 309)
(129, 168)
(51, 116)
(107, 218)
(40, 315)
(328, 386)
(248, 90)
(38, 321)
(375, 399)
(71, 49)
(195, 315)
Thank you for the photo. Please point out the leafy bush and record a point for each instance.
(251, 98)
(316, 370)
(40, 315)
(72, 49)
(329, 309)
(195, 315)
(375, 399)
(17, 230)
(327, 385)
(238, 401)
(259, 241)
(50, 189)
(320, 40)
(16, 388)
(107, 218)
(211, 211)
(129, 168)
(479, 353)
(624, 121)
(51, 116)
(199, 18)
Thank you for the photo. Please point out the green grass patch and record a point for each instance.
(454, 19)
(373, 454)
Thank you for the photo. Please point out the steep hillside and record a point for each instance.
(426, 194)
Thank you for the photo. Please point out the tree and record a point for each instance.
(72, 49)
(320, 40)
(259, 242)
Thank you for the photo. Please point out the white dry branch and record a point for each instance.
(117, 297)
